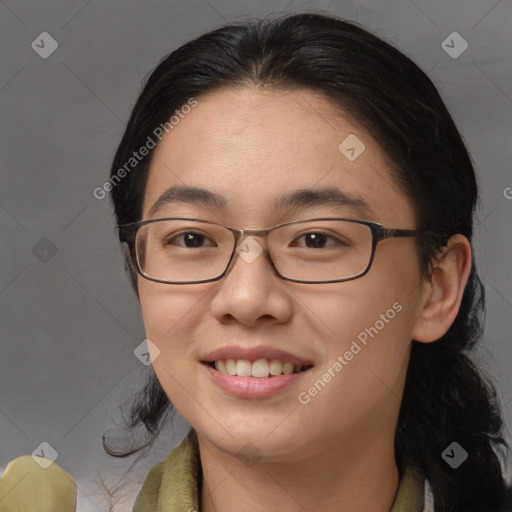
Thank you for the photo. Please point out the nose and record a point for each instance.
(251, 292)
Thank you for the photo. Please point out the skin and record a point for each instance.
(252, 145)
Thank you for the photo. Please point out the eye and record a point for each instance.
(318, 240)
(189, 239)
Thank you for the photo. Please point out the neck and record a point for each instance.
(361, 476)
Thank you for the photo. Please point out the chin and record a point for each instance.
(256, 441)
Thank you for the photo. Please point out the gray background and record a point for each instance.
(69, 322)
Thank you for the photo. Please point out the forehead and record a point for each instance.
(252, 146)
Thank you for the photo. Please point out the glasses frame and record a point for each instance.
(379, 233)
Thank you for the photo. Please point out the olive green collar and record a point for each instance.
(172, 485)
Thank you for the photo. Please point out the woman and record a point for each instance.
(322, 362)
(295, 203)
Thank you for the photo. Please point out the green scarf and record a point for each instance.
(172, 485)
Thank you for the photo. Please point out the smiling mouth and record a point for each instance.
(260, 368)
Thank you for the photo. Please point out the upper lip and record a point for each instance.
(254, 353)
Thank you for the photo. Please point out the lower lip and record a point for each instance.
(253, 387)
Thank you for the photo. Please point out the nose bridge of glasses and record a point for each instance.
(254, 232)
(249, 249)
(243, 234)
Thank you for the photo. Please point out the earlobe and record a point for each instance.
(444, 290)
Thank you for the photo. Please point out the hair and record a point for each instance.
(446, 398)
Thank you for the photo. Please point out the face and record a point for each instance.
(251, 147)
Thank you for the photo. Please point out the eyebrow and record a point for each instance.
(184, 194)
(298, 199)
(325, 196)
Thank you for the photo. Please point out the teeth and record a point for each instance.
(275, 367)
(221, 366)
(288, 368)
(230, 367)
(243, 368)
(260, 368)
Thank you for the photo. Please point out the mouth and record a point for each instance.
(258, 372)
(259, 368)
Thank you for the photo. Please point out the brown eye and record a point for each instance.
(317, 240)
(188, 239)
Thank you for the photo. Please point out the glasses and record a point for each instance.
(190, 251)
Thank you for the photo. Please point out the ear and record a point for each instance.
(129, 267)
(443, 290)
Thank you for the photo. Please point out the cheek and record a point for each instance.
(370, 330)
(362, 371)
(365, 326)
(169, 319)
(168, 309)
(347, 310)
(169, 316)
